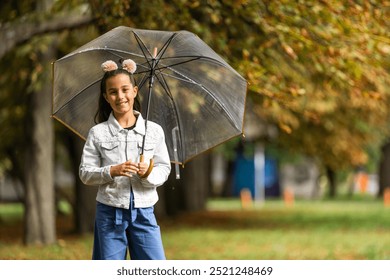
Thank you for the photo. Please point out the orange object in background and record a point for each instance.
(246, 199)
(386, 197)
(288, 196)
(363, 182)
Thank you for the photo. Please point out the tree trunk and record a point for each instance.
(190, 192)
(384, 167)
(40, 198)
(228, 186)
(196, 183)
(331, 175)
(84, 212)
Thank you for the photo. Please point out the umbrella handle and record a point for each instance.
(150, 168)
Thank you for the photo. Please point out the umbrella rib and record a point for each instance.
(161, 52)
(166, 88)
(191, 58)
(109, 50)
(221, 105)
(188, 79)
(77, 94)
(169, 66)
(143, 48)
(173, 70)
(185, 78)
(141, 45)
(164, 48)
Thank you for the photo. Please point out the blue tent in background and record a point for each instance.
(244, 176)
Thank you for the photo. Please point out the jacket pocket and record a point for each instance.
(110, 153)
(148, 149)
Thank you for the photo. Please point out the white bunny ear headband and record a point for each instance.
(127, 64)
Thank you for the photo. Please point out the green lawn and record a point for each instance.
(358, 229)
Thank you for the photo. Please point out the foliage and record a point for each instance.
(318, 74)
(318, 70)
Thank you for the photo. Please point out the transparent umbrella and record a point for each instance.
(184, 86)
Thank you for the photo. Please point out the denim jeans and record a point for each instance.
(118, 229)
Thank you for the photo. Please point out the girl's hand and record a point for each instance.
(127, 169)
(142, 168)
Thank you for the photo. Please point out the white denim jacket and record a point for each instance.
(109, 144)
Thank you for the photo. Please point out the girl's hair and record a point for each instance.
(104, 108)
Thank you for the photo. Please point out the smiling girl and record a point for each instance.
(111, 159)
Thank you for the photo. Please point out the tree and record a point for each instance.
(39, 186)
(32, 162)
(320, 76)
(315, 68)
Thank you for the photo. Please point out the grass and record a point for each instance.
(356, 229)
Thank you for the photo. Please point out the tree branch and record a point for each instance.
(15, 33)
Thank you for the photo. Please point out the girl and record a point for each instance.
(111, 160)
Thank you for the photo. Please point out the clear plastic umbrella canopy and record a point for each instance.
(196, 97)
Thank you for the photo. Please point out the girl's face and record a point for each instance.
(120, 94)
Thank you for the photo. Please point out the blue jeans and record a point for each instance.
(117, 229)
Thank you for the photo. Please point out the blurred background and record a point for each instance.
(310, 179)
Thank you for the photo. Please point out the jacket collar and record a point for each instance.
(115, 127)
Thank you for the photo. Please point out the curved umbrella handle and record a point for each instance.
(150, 168)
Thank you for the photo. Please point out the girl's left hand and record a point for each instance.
(142, 168)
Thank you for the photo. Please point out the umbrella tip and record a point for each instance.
(155, 52)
